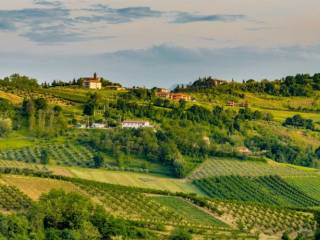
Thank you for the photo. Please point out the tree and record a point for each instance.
(41, 104)
(285, 236)
(98, 160)
(44, 157)
(180, 234)
(5, 127)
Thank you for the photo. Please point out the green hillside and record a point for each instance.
(233, 161)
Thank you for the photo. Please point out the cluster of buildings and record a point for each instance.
(234, 104)
(125, 124)
(165, 93)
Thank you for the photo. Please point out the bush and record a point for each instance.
(5, 127)
(180, 234)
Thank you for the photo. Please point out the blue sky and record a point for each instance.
(159, 43)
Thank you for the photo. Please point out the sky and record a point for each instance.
(159, 43)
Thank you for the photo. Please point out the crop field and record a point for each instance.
(309, 185)
(134, 204)
(271, 190)
(225, 167)
(61, 154)
(19, 164)
(269, 220)
(187, 210)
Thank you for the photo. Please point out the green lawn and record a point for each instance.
(186, 209)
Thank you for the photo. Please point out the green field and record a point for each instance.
(271, 190)
(225, 167)
(309, 185)
(188, 210)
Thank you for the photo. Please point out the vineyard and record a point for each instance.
(54, 100)
(269, 220)
(12, 199)
(309, 185)
(137, 205)
(61, 154)
(271, 190)
(224, 167)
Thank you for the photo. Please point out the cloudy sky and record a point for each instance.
(159, 43)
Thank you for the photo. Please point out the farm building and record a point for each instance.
(135, 124)
(165, 93)
(92, 82)
(180, 96)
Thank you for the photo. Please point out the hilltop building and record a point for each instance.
(92, 82)
(165, 93)
(135, 124)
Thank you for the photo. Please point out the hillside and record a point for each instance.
(226, 161)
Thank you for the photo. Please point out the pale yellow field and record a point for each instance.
(11, 97)
(35, 187)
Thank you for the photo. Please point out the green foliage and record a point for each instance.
(299, 121)
(180, 234)
(280, 150)
(19, 82)
(60, 215)
(98, 160)
(5, 127)
(270, 190)
(44, 157)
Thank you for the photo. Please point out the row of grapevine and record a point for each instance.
(271, 190)
(269, 220)
(224, 167)
(309, 185)
(62, 154)
(12, 199)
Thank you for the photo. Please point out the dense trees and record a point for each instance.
(298, 121)
(280, 150)
(299, 85)
(59, 215)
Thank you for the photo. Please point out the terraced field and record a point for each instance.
(270, 190)
(225, 167)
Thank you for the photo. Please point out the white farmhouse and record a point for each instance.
(135, 124)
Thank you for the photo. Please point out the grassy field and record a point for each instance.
(189, 211)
